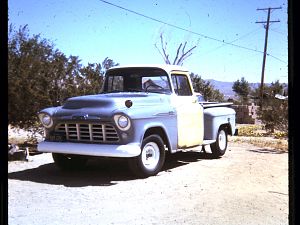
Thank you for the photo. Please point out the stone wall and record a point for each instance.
(246, 114)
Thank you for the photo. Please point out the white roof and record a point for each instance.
(167, 67)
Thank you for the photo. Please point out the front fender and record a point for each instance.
(167, 124)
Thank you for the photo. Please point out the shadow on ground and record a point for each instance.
(267, 151)
(99, 171)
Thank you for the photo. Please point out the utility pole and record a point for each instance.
(265, 50)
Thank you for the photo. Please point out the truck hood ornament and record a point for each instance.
(80, 116)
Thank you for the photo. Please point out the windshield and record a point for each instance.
(137, 80)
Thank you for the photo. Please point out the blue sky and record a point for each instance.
(94, 30)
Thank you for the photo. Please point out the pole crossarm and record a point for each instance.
(271, 21)
(269, 8)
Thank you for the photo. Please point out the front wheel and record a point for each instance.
(151, 159)
(219, 147)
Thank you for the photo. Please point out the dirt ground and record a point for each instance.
(248, 185)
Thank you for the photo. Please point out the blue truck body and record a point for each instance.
(143, 111)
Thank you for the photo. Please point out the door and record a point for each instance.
(189, 112)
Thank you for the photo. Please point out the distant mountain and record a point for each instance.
(225, 87)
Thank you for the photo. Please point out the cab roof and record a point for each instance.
(167, 67)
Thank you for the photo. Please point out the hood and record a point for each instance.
(106, 104)
(112, 100)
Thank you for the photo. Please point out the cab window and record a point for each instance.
(181, 85)
(115, 83)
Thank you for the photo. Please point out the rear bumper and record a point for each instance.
(129, 150)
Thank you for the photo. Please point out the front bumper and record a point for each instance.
(128, 150)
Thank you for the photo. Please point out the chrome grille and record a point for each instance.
(82, 132)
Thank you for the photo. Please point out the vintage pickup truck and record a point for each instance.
(142, 112)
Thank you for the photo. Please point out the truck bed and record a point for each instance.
(214, 104)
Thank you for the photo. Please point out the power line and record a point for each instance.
(177, 27)
(243, 36)
(184, 29)
(276, 58)
(279, 32)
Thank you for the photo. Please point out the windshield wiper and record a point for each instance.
(134, 90)
(159, 91)
(113, 91)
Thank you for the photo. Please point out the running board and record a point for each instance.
(208, 142)
(193, 148)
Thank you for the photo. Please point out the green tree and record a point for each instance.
(242, 89)
(55, 74)
(28, 75)
(206, 89)
(40, 76)
(108, 63)
(274, 112)
(90, 79)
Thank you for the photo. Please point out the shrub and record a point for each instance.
(274, 112)
(252, 131)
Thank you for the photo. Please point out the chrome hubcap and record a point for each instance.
(150, 155)
(222, 140)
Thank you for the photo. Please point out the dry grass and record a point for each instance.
(256, 135)
(263, 142)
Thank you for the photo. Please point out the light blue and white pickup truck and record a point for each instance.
(142, 112)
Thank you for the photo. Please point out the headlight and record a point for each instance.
(122, 122)
(46, 120)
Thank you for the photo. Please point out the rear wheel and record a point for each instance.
(68, 162)
(219, 147)
(151, 159)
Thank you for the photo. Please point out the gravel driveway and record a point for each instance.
(248, 185)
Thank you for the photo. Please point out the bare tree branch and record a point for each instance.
(181, 53)
(185, 55)
(177, 54)
(181, 61)
(164, 48)
(160, 52)
(183, 48)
